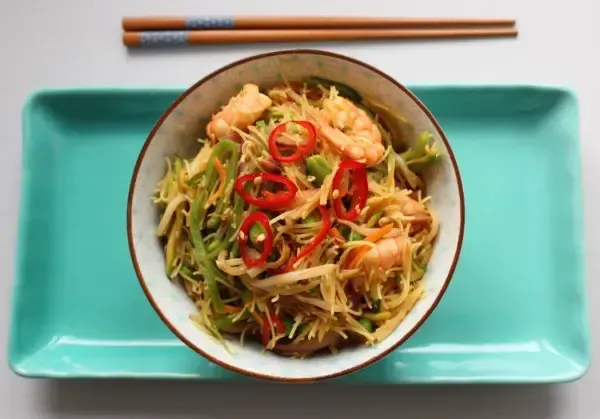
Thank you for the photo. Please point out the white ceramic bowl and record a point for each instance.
(176, 132)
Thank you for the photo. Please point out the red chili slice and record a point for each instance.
(301, 149)
(269, 200)
(244, 237)
(358, 189)
(317, 240)
(266, 328)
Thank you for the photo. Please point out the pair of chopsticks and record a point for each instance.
(204, 30)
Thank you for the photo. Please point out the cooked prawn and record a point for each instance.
(350, 130)
(242, 111)
(388, 253)
(400, 203)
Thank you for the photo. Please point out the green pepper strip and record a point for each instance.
(238, 215)
(354, 236)
(194, 180)
(186, 270)
(419, 155)
(213, 245)
(288, 323)
(246, 296)
(222, 148)
(374, 219)
(311, 218)
(209, 269)
(376, 303)
(238, 212)
(220, 243)
(419, 272)
(187, 273)
(366, 323)
(255, 231)
(318, 167)
(223, 322)
(235, 250)
(198, 213)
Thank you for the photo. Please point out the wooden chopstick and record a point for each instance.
(179, 38)
(300, 22)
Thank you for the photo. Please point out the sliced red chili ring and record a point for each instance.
(269, 200)
(244, 237)
(266, 328)
(358, 189)
(317, 240)
(301, 149)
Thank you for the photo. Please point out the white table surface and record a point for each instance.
(77, 43)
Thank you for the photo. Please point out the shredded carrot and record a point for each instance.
(231, 309)
(373, 237)
(222, 179)
(335, 233)
(376, 235)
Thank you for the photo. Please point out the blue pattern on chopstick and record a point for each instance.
(210, 22)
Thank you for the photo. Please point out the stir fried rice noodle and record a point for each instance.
(303, 220)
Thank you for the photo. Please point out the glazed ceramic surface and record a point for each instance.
(177, 134)
(515, 311)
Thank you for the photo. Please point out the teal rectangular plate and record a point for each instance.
(515, 311)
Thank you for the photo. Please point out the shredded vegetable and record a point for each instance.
(370, 238)
(223, 179)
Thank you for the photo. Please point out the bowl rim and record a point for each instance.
(207, 78)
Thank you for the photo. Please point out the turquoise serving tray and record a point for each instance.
(514, 312)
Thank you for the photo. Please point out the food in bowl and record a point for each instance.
(303, 220)
(174, 138)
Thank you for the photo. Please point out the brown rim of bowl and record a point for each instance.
(270, 377)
